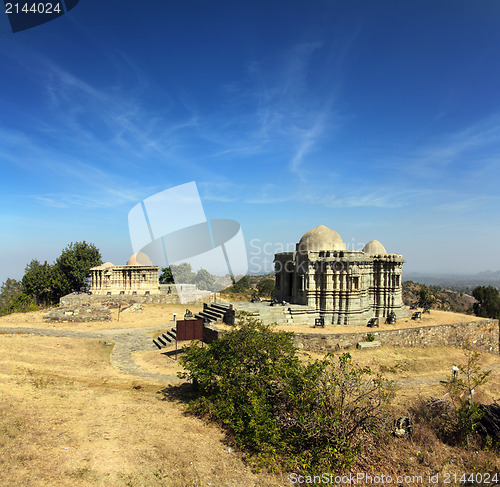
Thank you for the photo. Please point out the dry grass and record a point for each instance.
(159, 361)
(150, 315)
(68, 418)
(422, 370)
(435, 318)
(427, 365)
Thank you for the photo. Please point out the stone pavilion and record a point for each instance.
(137, 277)
(346, 287)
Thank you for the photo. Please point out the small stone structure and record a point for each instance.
(344, 287)
(137, 281)
(132, 279)
(79, 314)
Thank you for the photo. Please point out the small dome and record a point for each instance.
(107, 264)
(139, 258)
(374, 247)
(320, 238)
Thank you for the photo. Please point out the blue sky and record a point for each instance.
(380, 120)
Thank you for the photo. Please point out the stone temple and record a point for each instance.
(138, 277)
(139, 281)
(345, 287)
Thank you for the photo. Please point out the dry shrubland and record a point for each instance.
(68, 417)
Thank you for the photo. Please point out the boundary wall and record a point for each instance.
(483, 335)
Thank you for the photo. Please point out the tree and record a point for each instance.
(425, 297)
(166, 276)
(72, 267)
(183, 274)
(9, 289)
(205, 280)
(266, 287)
(488, 302)
(37, 282)
(241, 286)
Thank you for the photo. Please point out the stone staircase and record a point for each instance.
(166, 339)
(213, 312)
(289, 314)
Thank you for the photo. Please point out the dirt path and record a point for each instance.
(129, 340)
(126, 341)
(435, 379)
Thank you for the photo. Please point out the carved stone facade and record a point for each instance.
(130, 279)
(345, 287)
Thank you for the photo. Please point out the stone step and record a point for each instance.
(167, 338)
(220, 306)
(157, 343)
(213, 312)
(206, 318)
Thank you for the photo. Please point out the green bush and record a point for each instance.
(488, 302)
(20, 303)
(284, 414)
(266, 288)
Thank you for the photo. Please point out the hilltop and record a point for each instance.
(437, 297)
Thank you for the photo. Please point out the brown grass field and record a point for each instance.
(69, 418)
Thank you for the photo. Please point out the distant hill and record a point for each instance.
(444, 298)
(489, 275)
(458, 282)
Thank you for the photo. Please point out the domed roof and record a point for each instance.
(374, 247)
(139, 258)
(321, 238)
(107, 264)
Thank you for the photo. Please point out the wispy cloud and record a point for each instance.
(307, 140)
(448, 152)
(277, 109)
(113, 118)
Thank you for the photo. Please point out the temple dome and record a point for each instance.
(374, 247)
(321, 238)
(107, 264)
(139, 258)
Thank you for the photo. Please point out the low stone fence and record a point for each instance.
(483, 335)
(77, 299)
(79, 314)
(211, 333)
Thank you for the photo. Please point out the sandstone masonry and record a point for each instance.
(483, 335)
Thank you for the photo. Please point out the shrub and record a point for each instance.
(266, 287)
(20, 303)
(455, 420)
(285, 415)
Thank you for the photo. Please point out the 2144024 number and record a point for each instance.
(34, 8)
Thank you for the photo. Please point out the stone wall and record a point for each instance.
(77, 299)
(483, 335)
(78, 314)
(211, 333)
